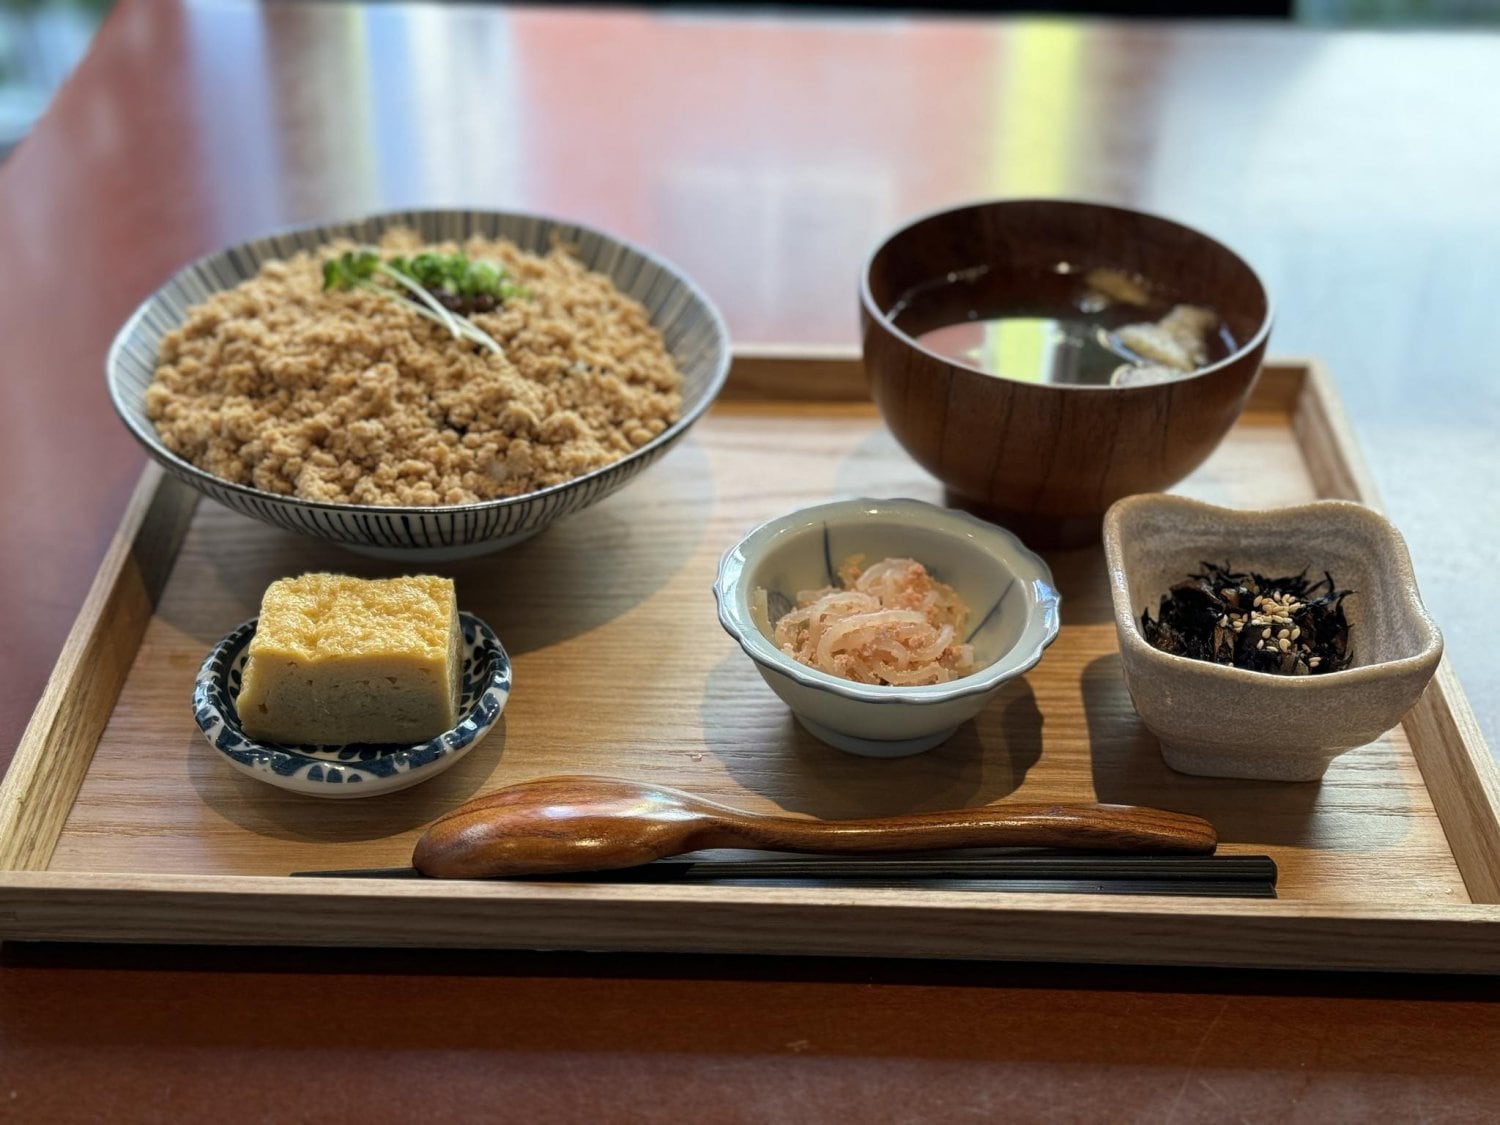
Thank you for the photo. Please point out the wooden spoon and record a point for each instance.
(561, 824)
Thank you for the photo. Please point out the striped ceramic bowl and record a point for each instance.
(691, 327)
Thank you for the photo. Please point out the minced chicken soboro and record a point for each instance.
(349, 397)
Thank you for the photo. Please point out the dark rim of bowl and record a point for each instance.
(153, 444)
(879, 316)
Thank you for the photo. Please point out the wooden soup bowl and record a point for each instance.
(1044, 459)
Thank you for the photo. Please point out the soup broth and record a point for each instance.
(1061, 326)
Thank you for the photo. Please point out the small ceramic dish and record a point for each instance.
(1220, 721)
(358, 770)
(1013, 615)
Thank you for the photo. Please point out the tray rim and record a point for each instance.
(231, 910)
(52, 759)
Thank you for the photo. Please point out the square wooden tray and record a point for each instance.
(118, 823)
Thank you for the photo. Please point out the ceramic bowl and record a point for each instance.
(1229, 722)
(350, 771)
(1009, 590)
(692, 329)
(1047, 459)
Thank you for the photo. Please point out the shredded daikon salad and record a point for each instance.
(889, 623)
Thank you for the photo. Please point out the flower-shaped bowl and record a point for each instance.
(1008, 589)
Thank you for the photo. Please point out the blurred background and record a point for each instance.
(42, 40)
(40, 43)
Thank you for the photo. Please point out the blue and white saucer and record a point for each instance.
(362, 770)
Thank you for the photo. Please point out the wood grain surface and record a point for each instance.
(36, 793)
(738, 1040)
(621, 669)
(764, 156)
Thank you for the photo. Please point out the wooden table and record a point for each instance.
(764, 155)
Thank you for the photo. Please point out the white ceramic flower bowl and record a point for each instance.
(1013, 615)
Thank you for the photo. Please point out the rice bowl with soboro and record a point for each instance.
(298, 387)
(618, 376)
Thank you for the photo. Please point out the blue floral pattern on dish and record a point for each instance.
(355, 770)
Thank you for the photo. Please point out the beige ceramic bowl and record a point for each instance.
(1229, 722)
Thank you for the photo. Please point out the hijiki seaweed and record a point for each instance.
(1288, 626)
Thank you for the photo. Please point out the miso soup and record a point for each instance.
(1065, 325)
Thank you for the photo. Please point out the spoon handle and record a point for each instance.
(1122, 828)
(501, 835)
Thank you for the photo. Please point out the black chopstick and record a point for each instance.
(1215, 876)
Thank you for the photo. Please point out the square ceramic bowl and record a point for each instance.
(1013, 615)
(1219, 721)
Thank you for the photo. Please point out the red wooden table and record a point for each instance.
(764, 155)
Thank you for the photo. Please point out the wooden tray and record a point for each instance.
(118, 823)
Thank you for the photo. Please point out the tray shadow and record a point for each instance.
(584, 571)
(766, 750)
(1128, 769)
(268, 811)
(1083, 580)
(878, 466)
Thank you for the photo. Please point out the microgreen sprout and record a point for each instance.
(444, 288)
(459, 283)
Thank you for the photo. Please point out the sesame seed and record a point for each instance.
(1265, 632)
(1284, 633)
(1284, 644)
(1296, 633)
